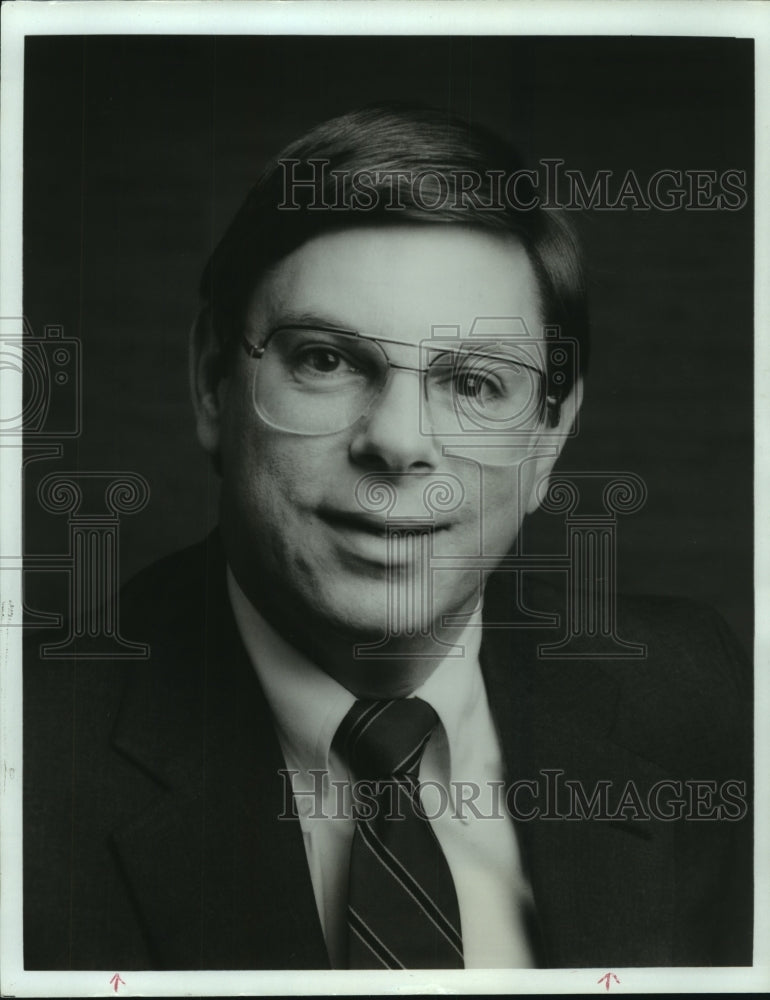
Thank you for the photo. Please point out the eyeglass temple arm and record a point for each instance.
(251, 349)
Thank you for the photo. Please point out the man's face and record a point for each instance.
(297, 536)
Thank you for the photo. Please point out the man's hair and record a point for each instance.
(394, 164)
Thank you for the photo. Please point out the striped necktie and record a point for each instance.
(402, 906)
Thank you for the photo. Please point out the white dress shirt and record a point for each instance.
(477, 838)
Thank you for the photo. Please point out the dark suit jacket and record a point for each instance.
(152, 792)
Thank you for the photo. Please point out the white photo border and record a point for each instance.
(458, 17)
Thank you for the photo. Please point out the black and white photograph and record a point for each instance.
(378, 471)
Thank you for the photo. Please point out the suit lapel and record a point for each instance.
(220, 881)
(604, 889)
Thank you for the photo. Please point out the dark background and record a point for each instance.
(138, 150)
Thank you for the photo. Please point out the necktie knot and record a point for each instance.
(384, 738)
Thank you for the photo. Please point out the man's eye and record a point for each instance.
(477, 384)
(322, 360)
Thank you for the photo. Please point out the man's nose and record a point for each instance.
(395, 433)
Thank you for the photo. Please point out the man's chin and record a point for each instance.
(382, 613)
(358, 622)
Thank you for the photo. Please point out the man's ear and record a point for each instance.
(206, 381)
(552, 440)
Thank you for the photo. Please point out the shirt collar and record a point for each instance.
(308, 705)
(455, 689)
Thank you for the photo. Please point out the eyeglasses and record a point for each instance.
(320, 380)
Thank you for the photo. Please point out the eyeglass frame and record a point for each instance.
(551, 402)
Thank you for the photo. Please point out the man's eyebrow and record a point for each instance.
(281, 318)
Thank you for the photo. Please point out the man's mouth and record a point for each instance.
(381, 527)
(398, 544)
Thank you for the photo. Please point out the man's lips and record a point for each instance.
(379, 543)
(376, 525)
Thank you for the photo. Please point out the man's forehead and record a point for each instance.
(412, 278)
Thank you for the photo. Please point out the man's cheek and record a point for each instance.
(500, 521)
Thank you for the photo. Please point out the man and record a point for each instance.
(309, 770)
